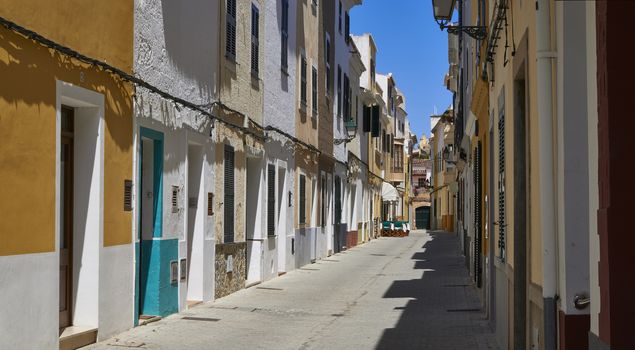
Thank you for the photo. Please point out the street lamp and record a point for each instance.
(448, 156)
(443, 15)
(351, 131)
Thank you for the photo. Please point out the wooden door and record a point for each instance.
(66, 217)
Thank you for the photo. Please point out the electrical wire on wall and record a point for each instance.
(137, 82)
(203, 109)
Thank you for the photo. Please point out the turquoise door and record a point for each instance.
(156, 292)
(422, 218)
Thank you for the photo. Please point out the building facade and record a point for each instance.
(66, 161)
(183, 154)
(532, 112)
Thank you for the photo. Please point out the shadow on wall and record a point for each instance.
(32, 70)
(444, 311)
(191, 39)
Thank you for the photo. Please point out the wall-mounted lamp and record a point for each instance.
(351, 131)
(443, 9)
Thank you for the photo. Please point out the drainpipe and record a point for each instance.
(544, 66)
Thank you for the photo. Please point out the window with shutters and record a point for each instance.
(302, 207)
(229, 188)
(372, 72)
(345, 98)
(339, 20)
(348, 100)
(374, 124)
(338, 200)
(284, 36)
(477, 216)
(366, 118)
(421, 182)
(398, 165)
(501, 185)
(384, 141)
(323, 201)
(271, 200)
(314, 91)
(327, 62)
(303, 87)
(390, 102)
(339, 91)
(255, 43)
(230, 30)
(347, 27)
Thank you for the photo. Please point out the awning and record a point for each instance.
(389, 192)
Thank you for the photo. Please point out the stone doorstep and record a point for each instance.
(77, 336)
(144, 320)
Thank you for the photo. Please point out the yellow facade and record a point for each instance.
(28, 110)
(442, 197)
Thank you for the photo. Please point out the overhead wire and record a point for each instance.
(138, 82)
(32, 35)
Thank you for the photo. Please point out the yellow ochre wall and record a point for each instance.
(28, 114)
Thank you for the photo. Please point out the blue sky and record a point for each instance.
(411, 46)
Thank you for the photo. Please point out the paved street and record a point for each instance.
(391, 293)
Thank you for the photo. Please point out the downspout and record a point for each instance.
(544, 79)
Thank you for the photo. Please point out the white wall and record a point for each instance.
(116, 283)
(279, 111)
(592, 120)
(176, 47)
(572, 165)
(29, 290)
(363, 45)
(342, 58)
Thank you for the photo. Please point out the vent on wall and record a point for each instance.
(210, 204)
(127, 195)
(175, 199)
(183, 272)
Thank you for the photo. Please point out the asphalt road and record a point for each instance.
(391, 293)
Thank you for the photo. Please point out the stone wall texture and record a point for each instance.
(230, 282)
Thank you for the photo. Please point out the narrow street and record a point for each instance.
(391, 293)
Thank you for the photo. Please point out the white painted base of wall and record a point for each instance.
(321, 243)
(29, 293)
(255, 256)
(116, 290)
(270, 260)
(304, 246)
(290, 253)
(204, 270)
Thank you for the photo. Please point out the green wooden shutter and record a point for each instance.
(501, 185)
(477, 216)
(230, 34)
(347, 27)
(347, 98)
(375, 121)
(229, 194)
(255, 44)
(284, 44)
(302, 199)
(314, 92)
(271, 200)
(323, 202)
(338, 200)
(303, 86)
(366, 119)
(339, 90)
